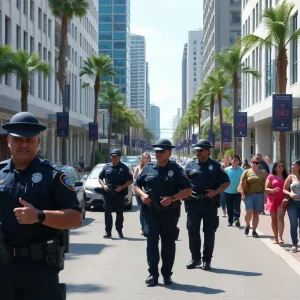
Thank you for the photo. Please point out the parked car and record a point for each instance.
(77, 183)
(93, 190)
(132, 160)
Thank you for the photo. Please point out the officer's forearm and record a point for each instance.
(127, 184)
(138, 191)
(101, 182)
(183, 194)
(223, 187)
(62, 219)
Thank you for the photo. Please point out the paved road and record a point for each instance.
(244, 267)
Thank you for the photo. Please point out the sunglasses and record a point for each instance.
(256, 162)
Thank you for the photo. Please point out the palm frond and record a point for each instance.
(70, 8)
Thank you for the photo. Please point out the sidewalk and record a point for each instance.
(265, 227)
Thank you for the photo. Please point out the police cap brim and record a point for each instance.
(162, 148)
(24, 130)
(115, 154)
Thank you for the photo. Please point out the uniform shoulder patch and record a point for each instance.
(65, 181)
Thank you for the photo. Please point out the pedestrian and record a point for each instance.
(268, 162)
(81, 164)
(274, 190)
(115, 178)
(37, 203)
(226, 162)
(161, 185)
(246, 165)
(263, 165)
(145, 159)
(252, 188)
(208, 180)
(292, 190)
(232, 195)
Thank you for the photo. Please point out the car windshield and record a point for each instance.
(95, 173)
(130, 160)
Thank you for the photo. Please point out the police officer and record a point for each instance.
(161, 185)
(208, 181)
(117, 178)
(36, 203)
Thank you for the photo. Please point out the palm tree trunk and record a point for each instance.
(211, 122)
(109, 127)
(60, 77)
(235, 84)
(282, 64)
(199, 123)
(129, 142)
(221, 122)
(24, 95)
(96, 105)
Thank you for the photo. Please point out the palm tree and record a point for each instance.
(114, 101)
(5, 56)
(96, 66)
(227, 114)
(230, 60)
(219, 82)
(24, 65)
(279, 33)
(65, 10)
(201, 104)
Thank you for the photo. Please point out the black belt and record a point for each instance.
(25, 251)
(20, 251)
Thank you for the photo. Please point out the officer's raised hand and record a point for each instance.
(146, 199)
(211, 193)
(166, 201)
(27, 214)
(118, 189)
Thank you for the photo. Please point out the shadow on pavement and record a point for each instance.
(72, 232)
(86, 249)
(83, 288)
(234, 272)
(263, 236)
(193, 288)
(130, 239)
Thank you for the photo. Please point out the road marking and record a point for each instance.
(289, 259)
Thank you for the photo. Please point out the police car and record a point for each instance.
(93, 190)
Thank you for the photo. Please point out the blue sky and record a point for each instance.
(165, 24)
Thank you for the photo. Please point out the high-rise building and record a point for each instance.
(155, 121)
(176, 119)
(29, 25)
(221, 28)
(184, 80)
(148, 109)
(114, 40)
(194, 73)
(138, 74)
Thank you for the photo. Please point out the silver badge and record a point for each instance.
(37, 177)
(121, 169)
(210, 167)
(171, 173)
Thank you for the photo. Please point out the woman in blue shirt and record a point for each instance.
(232, 196)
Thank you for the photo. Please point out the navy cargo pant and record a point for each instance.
(26, 280)
(111, 202)
(198, 211)
(164, 225)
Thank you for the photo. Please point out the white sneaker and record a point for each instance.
(294, 249)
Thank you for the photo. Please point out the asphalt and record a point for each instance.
(243, 267)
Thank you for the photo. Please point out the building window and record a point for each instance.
(18, 39)
(25, 7)
(32, 11)
(234, 35)
(235, 2)
(45, 23)
(294, 45)
(19, 4)
(31, 44)
(235, 17)
(40, 18)
(25, 41)
(49, 28)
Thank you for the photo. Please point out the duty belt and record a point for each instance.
(34, 251)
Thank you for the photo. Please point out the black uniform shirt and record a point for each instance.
(40, 184)
(205, 176)
(116, 176)
(162, 181)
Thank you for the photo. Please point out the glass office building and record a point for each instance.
(114, 40)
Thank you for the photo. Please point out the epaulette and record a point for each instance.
(49, 163)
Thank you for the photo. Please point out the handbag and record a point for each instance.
(285, 203)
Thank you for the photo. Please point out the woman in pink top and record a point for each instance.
(274, 189)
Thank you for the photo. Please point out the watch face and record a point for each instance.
(41, 217)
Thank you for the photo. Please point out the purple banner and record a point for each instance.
(126, 140)
(133, 143)
(93, 131)
(194, 138)
(282, 116)
(240, 124)
(62, 124)
(212, 137)
(142, 144)
(185, 143)
(226, 133)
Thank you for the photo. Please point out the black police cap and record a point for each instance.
(203, 144)
(163, 144)
(24, 124)
(115, 152)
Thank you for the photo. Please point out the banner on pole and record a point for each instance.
(240, 124)
(126, 140)
(93, 131)
(194, 138)
(62, 124)
(211, 137)
(282, 112)
(226, 133)
(133, 143)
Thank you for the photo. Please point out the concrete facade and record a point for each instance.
(138, 73)
(148, 108)
(29, 25)
(184, 79)
(154, 126)
(257, 94)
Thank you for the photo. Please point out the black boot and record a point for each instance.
(121, 235)
(168, 280)
(193, 264)
(206, 266)
(151, 280)
(107, 235)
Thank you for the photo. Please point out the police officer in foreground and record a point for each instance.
(115, 179)
(208, 181)
(161, 185)
(36, 204)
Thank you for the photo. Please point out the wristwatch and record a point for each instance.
(217, 191)
(173, 199)
(41, 217)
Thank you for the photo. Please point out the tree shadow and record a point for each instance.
(188, 288)
(86, 249)
(235, 272)
(84, 288)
